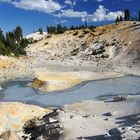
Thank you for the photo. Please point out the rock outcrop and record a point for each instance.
(120, 98)
(13, 116)
(46, 128)
(36, 83)
(20, 121)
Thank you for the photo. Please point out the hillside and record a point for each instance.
(112, 45)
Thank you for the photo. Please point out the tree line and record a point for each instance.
(127, 17)
(59, 29)
(13, 43)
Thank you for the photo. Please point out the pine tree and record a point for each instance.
(85, 24)
(117, 20)
(127, 15)
(40, 30)
(59, 29)
(121, 18)
(48, 29)
(136, 19)
(139, 16)
(2, 38)
(11, 42)
(72, 28)
(18, 33)
(51, 29)
(3, 49)
(132, 19)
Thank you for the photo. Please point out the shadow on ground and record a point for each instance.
(114, 134)
(128, 120)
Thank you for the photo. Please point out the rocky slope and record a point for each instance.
(104, 46)
(111, 47)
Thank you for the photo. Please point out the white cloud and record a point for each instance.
(60, 22)
(64, 21)
(114, 15)
(71, 3)
(39, 5)
(55, 9)
(6, 1)
(103, 14)
(68, 2)
(70, 13)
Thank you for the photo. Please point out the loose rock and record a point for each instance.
(109, 113)
(120, 98)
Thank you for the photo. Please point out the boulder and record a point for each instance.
(115, 134)
(120, 98)
(36, 83)
(107, 135)
(109, 113)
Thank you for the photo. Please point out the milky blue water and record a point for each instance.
(91, 90)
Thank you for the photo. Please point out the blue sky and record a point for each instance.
(32, 14)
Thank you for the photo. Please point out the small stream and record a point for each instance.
(18, 90)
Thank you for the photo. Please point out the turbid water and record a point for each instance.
(18, 90)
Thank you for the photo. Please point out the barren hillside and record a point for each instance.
(104, 46)
(111, 47)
